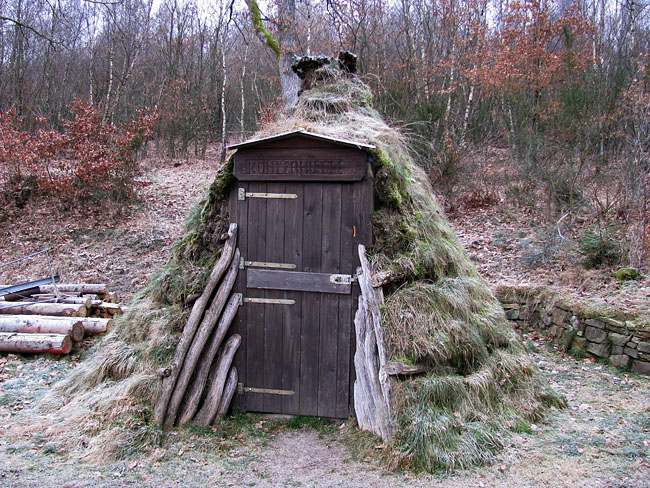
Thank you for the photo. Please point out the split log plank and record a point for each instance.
(200, 338)
(200, 378)
(35, 343)
(54, 309)
(215, 389)
(37, 324)
(193, 322)
(228, 393)
(372, 389)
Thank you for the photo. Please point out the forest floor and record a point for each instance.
(601, 440)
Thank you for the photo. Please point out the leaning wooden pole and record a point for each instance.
(193, 322)
(197, 386)
(215, 389)
(228, 392)
(200, 338)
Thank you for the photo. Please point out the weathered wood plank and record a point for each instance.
(256, 318)
(311, 304)
(372, 390)
(291, 318)
(273, 331)
(267, 279)
(344, 354)
(330, 261)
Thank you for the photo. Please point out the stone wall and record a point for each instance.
(577, 330)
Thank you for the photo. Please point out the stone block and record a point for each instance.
(617, 349)
(512, 314)
(595, 335)
(631, 345)
(643, 347)
(559, 316)
(595, 323)
(574, 321)
(641, 367)
(579, 343)
(510, 306)
(620, 360)
(613, 322)
(633, 353)
(644, 356)
(547, 320)
(600, 350)
(618, 339)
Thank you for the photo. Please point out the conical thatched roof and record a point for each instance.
(438, 311)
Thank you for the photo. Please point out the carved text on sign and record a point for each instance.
(294, 167)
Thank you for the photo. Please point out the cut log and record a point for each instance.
(107, 308)
(200, 338)
(228, 393)
(372, 392)
(83, 288)
(54, 309)
(193, 322)
(35, 343)
(94, 326)
(36, 324)
(86, 302)
(200, 378)
(216, 388)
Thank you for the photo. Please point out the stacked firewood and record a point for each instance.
(201, 382)
(49, 320)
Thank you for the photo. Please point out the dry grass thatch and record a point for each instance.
(438, 311)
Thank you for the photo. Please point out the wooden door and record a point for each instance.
(296, 323)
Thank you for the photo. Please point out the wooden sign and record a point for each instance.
(300, 164)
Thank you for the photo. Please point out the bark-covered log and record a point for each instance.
(35, 343)
(200, 378)
(192, 323)
(39, 308)
(94, 326)
(82, 288)
(216, 387)
(372, 392)
(228, 393)
(48, 298)
(36, 324)
(200, 338)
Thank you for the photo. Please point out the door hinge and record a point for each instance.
(271, 301)
(342, 279)
(241, 389)
(242, 194)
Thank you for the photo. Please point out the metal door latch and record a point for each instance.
(342, 279)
